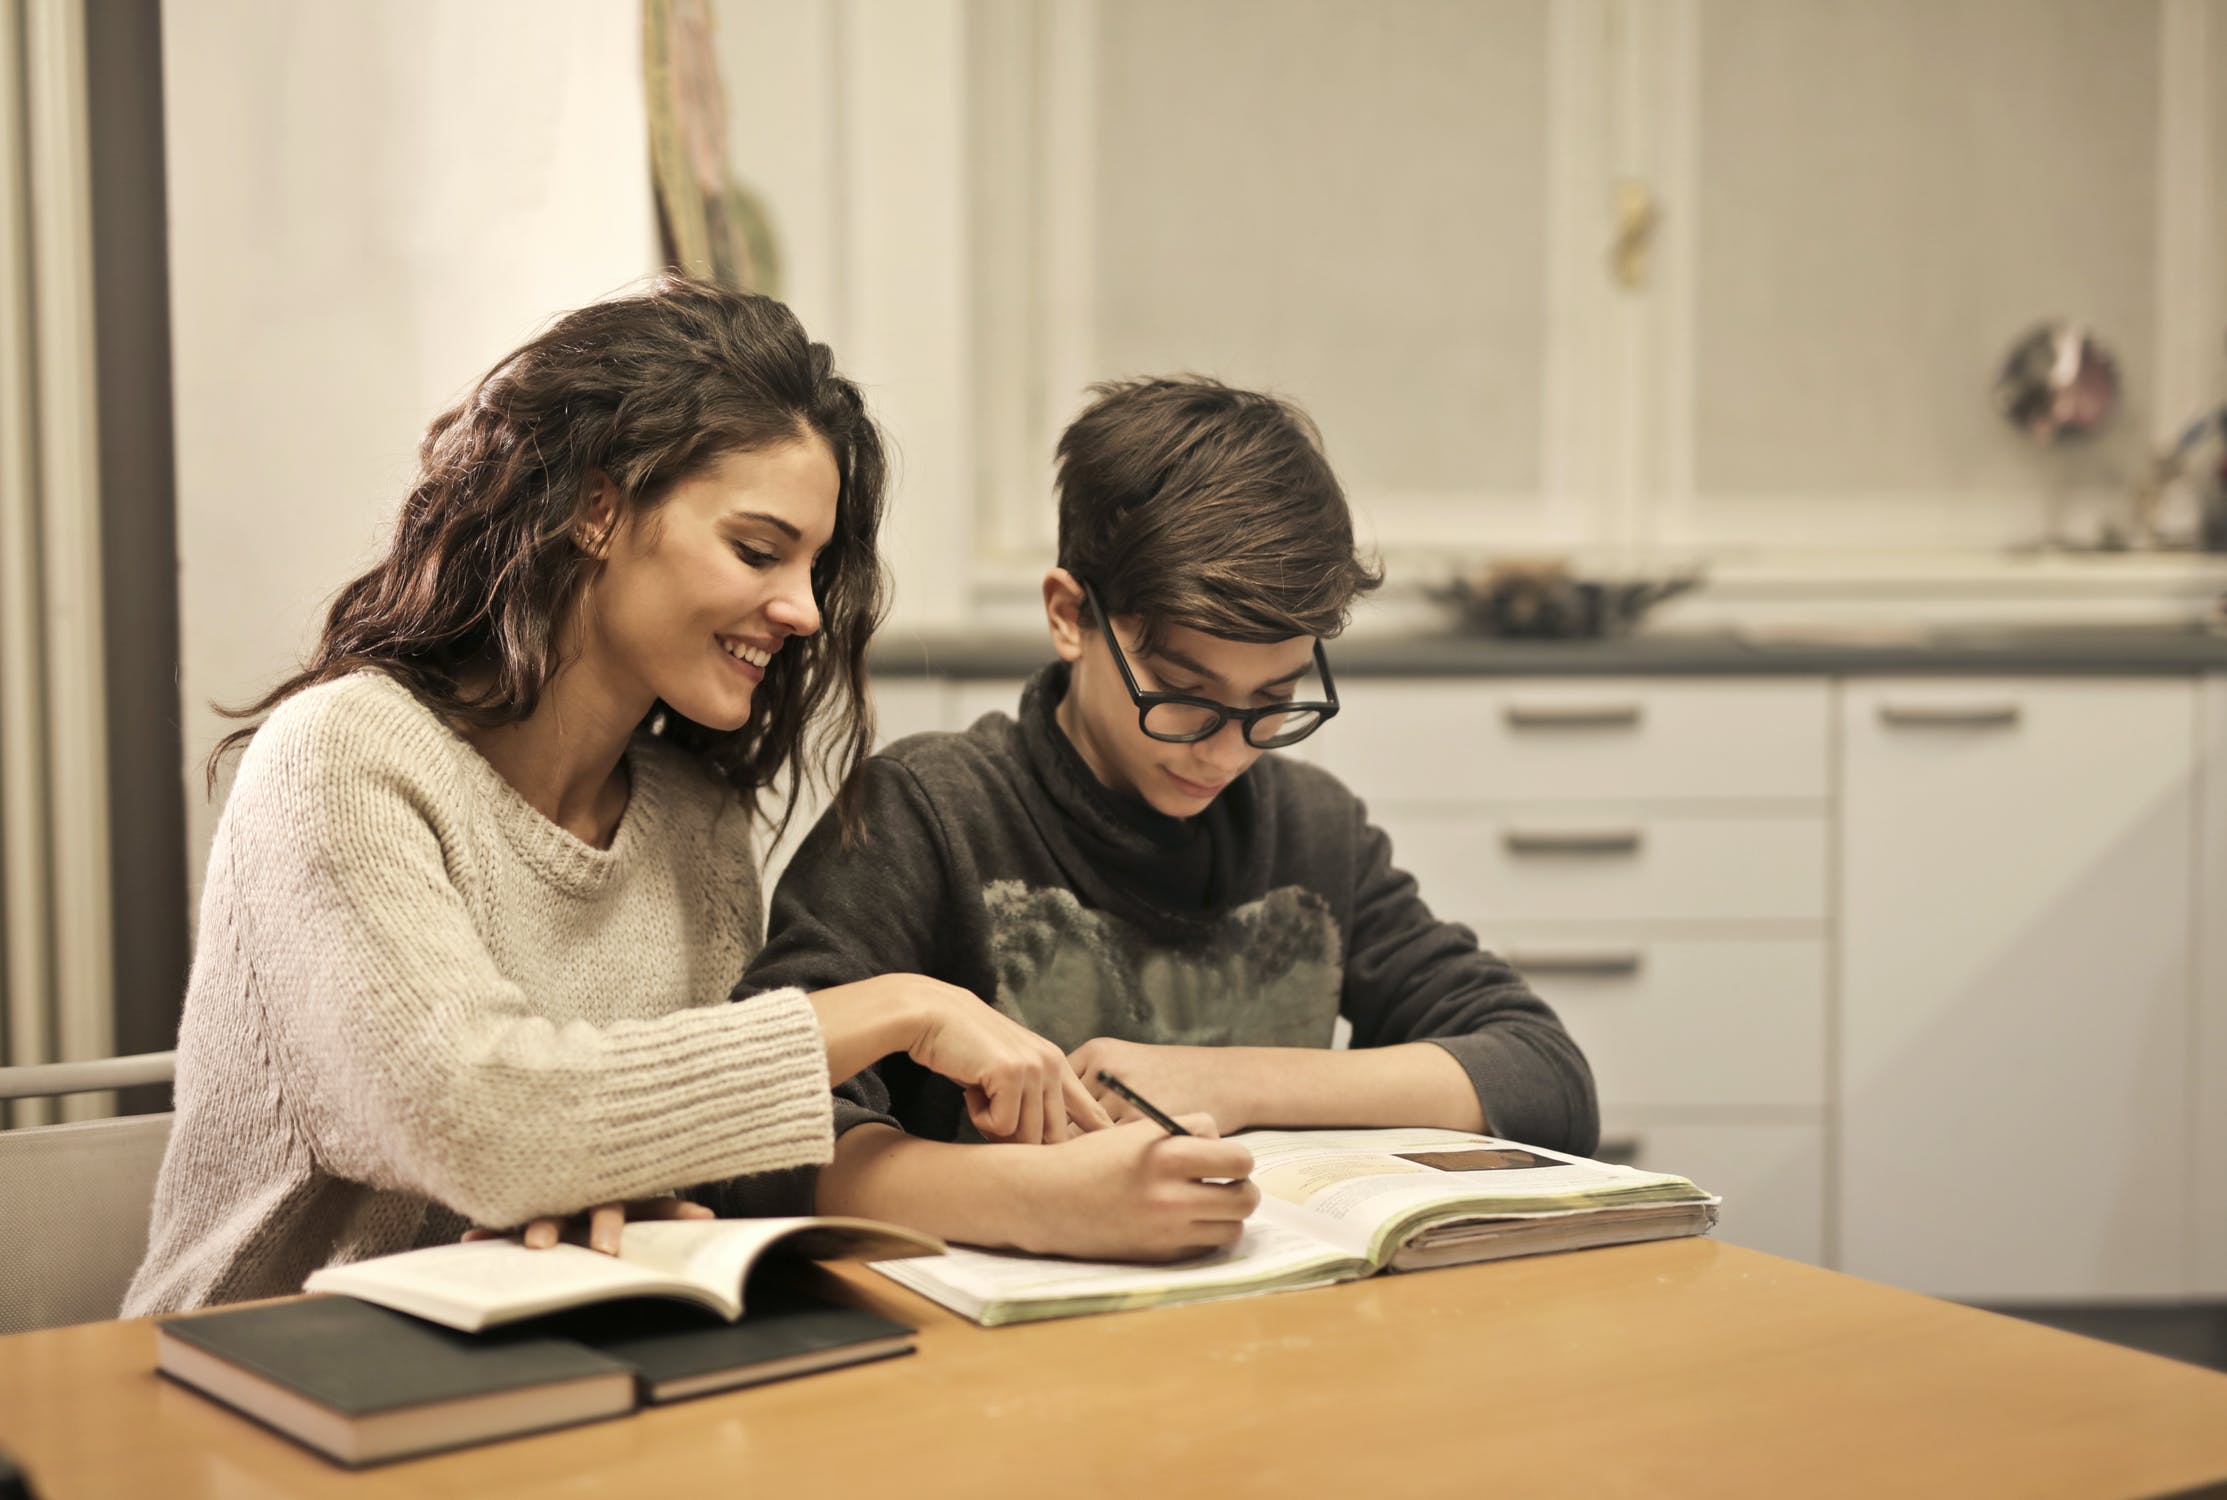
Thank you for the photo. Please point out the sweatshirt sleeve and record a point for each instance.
(1410, 977)
(842, 914)
(409, 1062)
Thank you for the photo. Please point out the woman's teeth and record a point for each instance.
(740, 652)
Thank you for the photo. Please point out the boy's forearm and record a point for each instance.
(1414, 1083)
(964, 1193)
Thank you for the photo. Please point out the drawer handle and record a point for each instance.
(1620, 1150)
(1572, 716)
(1602, 962)
(1949, 715)
(1601, 841)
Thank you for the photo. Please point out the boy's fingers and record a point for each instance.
(1213, 1158)
(541, 1234)
(604, 1226)
(1201, 1125)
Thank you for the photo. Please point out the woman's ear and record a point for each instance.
(592, 533)
(1063, 607)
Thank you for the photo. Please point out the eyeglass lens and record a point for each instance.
(1188, 721)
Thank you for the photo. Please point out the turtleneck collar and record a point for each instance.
(1184, 863)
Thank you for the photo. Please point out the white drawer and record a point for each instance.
(1490, 867)
(1771, 1177)
(1621, 739)
(1684, 1022)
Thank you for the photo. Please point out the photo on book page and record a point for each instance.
(1478, 1159)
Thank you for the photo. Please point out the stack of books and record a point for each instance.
(463, 1343)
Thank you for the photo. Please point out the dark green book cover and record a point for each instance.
(680, 1349)
(362, 1360)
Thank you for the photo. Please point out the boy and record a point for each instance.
(1126, 872)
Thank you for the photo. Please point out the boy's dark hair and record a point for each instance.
(1187, 502)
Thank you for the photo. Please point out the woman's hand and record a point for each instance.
(599, 1227)
(1018, 1085)
(1134, 1192)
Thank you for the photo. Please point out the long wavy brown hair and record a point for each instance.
(468, 608)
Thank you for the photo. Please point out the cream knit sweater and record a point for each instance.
(417, 1003)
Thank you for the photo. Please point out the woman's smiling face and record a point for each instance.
(697, 594)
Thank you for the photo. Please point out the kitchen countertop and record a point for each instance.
(2017, 650)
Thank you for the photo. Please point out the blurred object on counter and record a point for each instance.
(1540, 599)
(2191, 484)
(2058, 384)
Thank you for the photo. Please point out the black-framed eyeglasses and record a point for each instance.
(1181, 720)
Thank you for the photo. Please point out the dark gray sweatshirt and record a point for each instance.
(995, 860)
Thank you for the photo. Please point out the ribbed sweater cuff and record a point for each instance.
(733, 1089)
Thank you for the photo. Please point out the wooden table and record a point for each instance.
(1689, 1367)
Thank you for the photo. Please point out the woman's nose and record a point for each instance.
(795, 609)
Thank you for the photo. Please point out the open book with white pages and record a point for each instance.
(486, 1283)
(1338, 1205)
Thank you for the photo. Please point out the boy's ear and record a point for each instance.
(1063, 606)
(592, 533)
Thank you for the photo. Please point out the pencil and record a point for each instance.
(1152, 1111)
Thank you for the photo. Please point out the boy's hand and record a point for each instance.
(1177, 1079)
(1137, 1193)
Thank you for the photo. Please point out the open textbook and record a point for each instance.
(1337, 1205)
(485, 1283)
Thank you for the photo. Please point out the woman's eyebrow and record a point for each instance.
(774, 521)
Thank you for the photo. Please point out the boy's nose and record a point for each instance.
(1225, 749)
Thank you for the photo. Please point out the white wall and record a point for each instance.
(371, 201)
(849, 119)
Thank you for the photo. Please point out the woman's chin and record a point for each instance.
(721, 716)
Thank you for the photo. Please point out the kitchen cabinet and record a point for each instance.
(2208, 1054)
(1654, 855)
(1701, 273)
(2015, 984)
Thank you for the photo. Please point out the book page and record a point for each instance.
(486, 1282)
(1366, 1190)
(717, 1254)
(998, 1287)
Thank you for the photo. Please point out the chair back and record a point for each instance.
(78, 1198)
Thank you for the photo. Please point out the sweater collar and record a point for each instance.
(1114, 818)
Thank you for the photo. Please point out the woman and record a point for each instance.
(487, 867)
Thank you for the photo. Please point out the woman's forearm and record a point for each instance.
(864, 1023)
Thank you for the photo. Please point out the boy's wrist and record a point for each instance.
(1244, 1083)
(1013, 1186)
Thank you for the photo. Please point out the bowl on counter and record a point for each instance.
(1548, 601)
